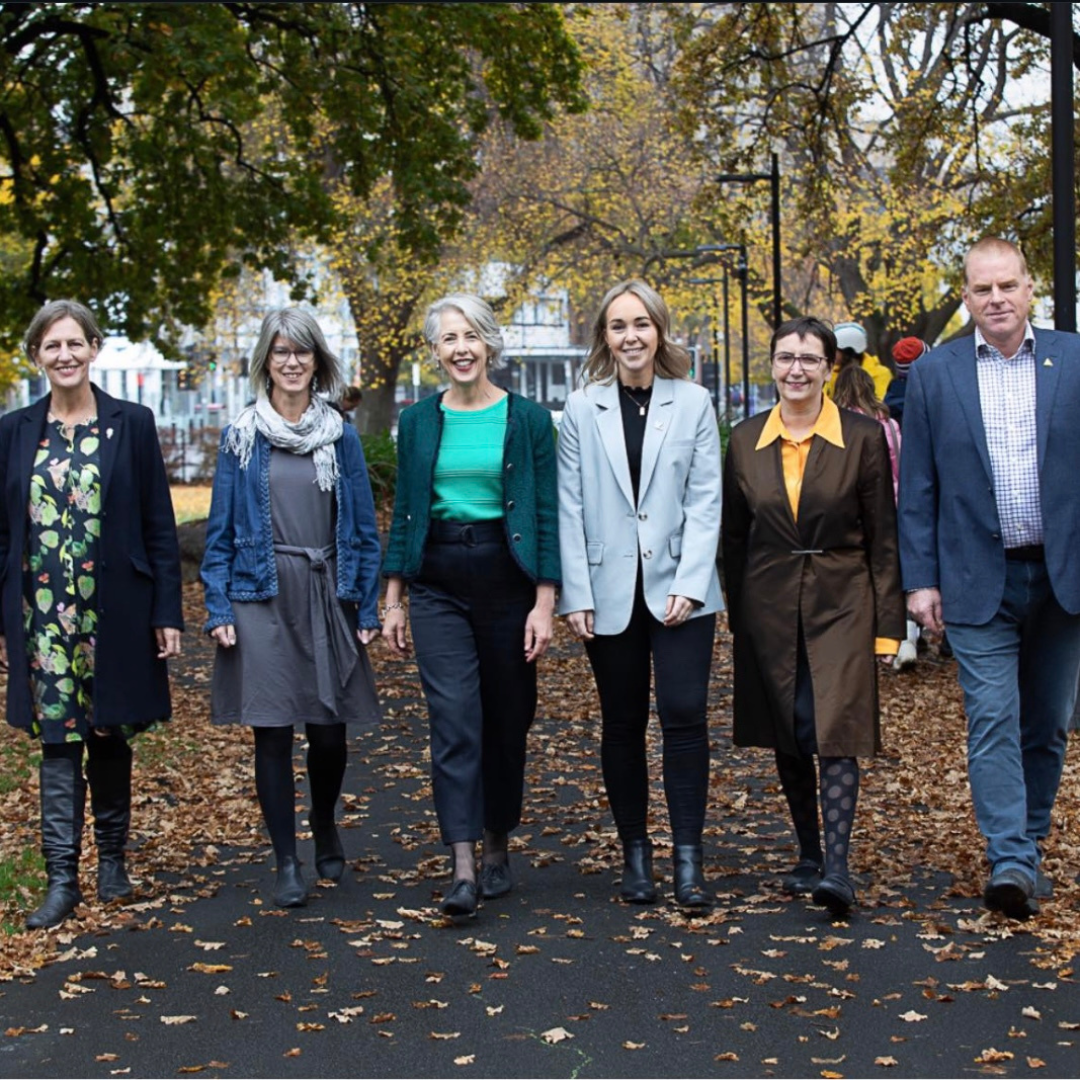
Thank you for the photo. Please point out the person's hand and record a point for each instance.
(538, 630)
(168, 641)
(393, 632)
(678, 610)
(581, 624)
(924, 606)
(366, 635)
(3, 653)
(885, 659)
(225, 635)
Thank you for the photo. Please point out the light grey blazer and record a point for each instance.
(674, 529)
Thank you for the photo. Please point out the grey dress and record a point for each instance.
(296, 657)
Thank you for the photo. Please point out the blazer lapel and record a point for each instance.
(29, 435)
(110, 420)
(1048, 355)
(964, 374)
(609, 425)
(661, 411)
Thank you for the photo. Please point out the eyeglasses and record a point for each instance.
(280, 355)
(786, 360)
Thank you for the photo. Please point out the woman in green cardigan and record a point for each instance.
(475, 538)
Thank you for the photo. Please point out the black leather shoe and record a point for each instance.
(109, 777)
(495, 880)
(638, 886)
(690, 888)
(1010, 891)
(60, 901)
(835, 893)
(460, 902)
(803, 879)
(329, 854)
(290, 890)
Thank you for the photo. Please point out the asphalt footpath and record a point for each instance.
(558, 979)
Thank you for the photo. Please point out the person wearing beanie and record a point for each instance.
(904, 353)
(851, 345)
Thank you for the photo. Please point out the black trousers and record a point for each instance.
(468, 610)
(682, 657)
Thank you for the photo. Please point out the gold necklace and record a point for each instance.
(642, 406)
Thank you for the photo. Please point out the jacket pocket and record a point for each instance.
(675, 545)
(245, 567)
(594, 552)
(141, 566)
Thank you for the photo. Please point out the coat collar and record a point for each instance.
(110, 417)
(609, 424)
(827, 426)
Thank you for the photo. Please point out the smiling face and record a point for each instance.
(998, 294)
(460, 351)
(633, 339)
(800, 369)
(291, 368)
(65, 356)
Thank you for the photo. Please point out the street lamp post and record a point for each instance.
(773, 178)
(721, 299)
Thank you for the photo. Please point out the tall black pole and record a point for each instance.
(774, 180)
(716, 357)
(727, 349)
(1064, 165)
(743, 275)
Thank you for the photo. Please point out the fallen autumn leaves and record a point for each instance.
(915, 839)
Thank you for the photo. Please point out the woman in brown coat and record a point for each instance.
(813, 591)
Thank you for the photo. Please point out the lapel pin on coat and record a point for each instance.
(108, 433)
(1048, 362)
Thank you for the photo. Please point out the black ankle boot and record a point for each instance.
(329, 854)
(690, 888)
(63, 802)
(289, 889)
(109, 777)
(638, 886)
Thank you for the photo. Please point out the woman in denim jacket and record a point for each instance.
(291, 585)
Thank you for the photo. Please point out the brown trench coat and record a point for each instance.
(837, 570)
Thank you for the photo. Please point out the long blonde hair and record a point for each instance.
(672, 360)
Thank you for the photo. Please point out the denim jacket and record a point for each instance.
(239, 564)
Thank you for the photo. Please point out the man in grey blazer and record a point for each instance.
(989, 515)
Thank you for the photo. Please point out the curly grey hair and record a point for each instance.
(478, 315)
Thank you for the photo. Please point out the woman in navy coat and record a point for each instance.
(90, 605)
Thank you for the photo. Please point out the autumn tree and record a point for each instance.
(906, 130)
(148, 149)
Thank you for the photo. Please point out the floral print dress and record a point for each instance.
(59, 602)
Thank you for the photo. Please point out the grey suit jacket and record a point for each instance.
(674, 529)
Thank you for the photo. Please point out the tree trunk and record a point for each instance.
(375, 412)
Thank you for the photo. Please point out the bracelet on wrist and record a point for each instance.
(399, 606)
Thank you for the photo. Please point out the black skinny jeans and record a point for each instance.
(682, 656)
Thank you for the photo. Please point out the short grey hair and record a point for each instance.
(53, 312)
(478, 315)
(298, 326)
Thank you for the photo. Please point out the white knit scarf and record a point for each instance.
(314, 433)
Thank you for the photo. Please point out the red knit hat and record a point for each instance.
(907, 350)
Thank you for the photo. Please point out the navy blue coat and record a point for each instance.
(950, 532)
(138, 571)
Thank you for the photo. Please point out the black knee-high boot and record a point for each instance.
(798, 779)
(108, 772)
(63, 809)
(326, 760)
(839, 796)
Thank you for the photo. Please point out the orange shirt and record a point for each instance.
(793, 455)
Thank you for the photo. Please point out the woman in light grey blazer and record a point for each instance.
(639, 523)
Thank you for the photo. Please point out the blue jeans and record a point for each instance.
(1019, 677)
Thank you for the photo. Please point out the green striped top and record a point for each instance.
(468, 472)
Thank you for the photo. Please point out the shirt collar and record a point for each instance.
(1027, 343)
(827, 426)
